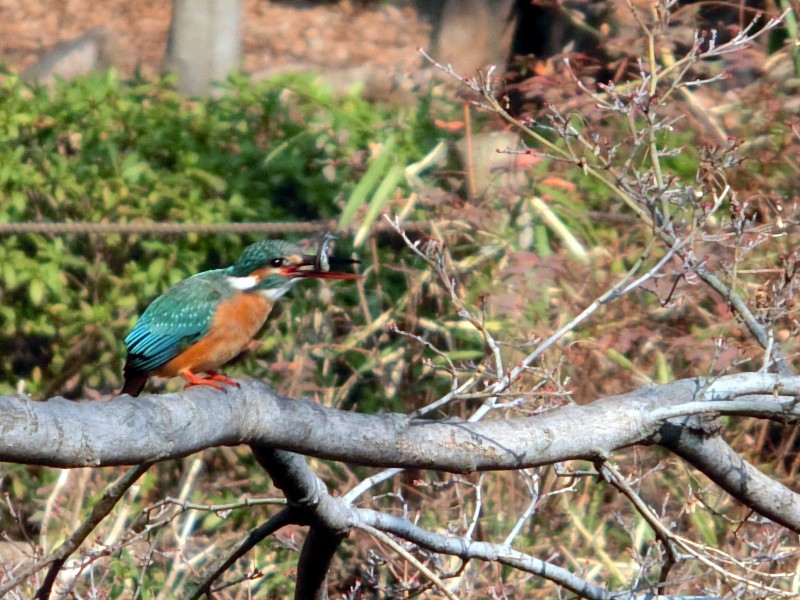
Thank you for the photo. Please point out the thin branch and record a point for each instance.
(371, 482)
(471, 549)
(58, 557)
(220, 509)
(611, 474)
(255, 537)
(182, 533)
(438, 583)
(533, 490)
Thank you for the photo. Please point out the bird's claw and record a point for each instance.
(217, 376)
(211, 381)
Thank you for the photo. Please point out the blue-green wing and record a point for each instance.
(173, 322)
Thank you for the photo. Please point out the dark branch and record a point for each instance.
(315, 559)
(309, 498)
(256, 536)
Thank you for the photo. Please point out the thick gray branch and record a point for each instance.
(62, 433)
(711, 455)
(128, 430)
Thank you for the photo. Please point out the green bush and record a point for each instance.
(102, 150)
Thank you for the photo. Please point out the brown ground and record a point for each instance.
(276, 36)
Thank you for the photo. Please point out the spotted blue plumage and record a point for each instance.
(175, 321)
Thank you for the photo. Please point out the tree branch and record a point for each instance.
(256, 536)
(712, 456)
(331, 519)
(309, 499)
(471, 549)
(315, 495)
(126, 430)
(418, 565)
(59, 556)
(62, 433)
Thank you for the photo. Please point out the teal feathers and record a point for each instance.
(175, 320)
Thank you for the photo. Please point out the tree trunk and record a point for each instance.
(204, 43)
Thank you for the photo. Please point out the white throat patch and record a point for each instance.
(246, 284)
(242, 283)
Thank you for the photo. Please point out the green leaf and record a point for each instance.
(36, 292)
(371, 178)
(386, 188)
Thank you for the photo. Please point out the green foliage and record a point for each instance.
(98, 149)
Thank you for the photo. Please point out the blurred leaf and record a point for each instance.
(372, 177)
(387, 186)
(36, 291)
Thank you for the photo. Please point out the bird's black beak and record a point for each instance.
(322, 266)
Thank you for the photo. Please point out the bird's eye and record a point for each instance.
(276, 262)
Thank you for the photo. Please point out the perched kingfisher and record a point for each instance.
(204, 321)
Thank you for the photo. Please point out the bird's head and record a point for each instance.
(272, 266)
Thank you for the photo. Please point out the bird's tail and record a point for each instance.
(134, 383)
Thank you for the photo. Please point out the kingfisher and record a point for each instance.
(205, 321)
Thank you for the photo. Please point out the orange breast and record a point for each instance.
(235, 323)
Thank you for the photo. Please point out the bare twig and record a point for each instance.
(58, 557)
(438, 583)
(256, 536)
(470, 549)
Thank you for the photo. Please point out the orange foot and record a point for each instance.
(217, 376)
(210, 381)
